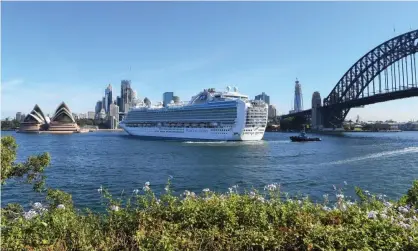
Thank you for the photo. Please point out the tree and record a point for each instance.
(30, 171)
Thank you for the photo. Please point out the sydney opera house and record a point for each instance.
(61, 122)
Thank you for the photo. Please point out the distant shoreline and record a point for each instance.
(65, 132)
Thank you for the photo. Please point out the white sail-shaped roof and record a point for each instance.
(63, 114)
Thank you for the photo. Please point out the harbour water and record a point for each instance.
(385, 163)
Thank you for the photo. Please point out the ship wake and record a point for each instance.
(384, 154)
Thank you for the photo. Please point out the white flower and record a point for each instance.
(343, 207)
(147, 183)
(403, 210)
(30, 214)
(114, 208)
(340, 196)
(261, 199)
(235, 187)
(367, 191)
(350, 203)
(61, 206)
(42, 210)
(326, 208)
(206, 190)
(299, 202)
(335, 188)
(170, 177)
(387, 204)
(135, 191)
(372, 215)
(252, 194)
(146, 188)
(414, 218)
(166, 188)
(192, 194)
(186, 193)
(384, 216)
(37, 205)
(230, 190)
(100, 190)
(271, 187)
(404, 225)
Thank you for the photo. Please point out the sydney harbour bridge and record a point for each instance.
(385, 73)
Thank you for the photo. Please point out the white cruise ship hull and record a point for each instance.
(218, 134)
(223, 120)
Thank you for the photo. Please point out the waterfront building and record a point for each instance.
(63, 120)
(167, 98)
(108, 98)
(298, 100)
(263, 97)
(34, 121)
(91, 115)
(22, 117)
(75, 116)
(82, 116)
(272, 112)
(113, 122)
(18, 116)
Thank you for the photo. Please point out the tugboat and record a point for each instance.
(303, 138)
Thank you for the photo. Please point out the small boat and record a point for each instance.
(303, 138)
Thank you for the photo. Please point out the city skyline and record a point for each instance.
(257, 56)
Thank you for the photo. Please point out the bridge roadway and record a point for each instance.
(377, 98)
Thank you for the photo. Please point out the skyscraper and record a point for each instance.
(103, 103)
(98, 107)
(118, 101)
(316, 114)
(272, 112)
(114, 111)
(263, 97)
(108, 98)
(298, 102)
(167, 98)
(18, 116)
(126, 95)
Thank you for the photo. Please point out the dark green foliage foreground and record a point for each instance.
(211, 221)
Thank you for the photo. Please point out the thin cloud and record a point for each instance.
(10, 85)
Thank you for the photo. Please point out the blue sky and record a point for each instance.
(70, 51)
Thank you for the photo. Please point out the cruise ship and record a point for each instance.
(210, 115)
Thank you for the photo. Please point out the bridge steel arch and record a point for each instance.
(354, 82)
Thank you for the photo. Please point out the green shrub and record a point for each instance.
(208, 221)
(211, 221)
